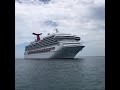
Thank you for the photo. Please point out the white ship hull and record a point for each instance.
(67, 51)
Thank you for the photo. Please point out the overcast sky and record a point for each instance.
(85, 18)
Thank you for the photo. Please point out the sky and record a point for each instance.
(84, 18)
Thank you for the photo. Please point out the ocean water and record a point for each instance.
(85, 73)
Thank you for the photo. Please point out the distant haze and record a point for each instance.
(85, 18)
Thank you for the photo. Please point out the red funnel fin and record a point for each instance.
(38, 37)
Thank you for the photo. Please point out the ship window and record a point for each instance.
(59, 38)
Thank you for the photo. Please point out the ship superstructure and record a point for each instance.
(56, 45)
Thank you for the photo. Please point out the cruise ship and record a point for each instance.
(56, 45)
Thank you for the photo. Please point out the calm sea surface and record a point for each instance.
(85, 73)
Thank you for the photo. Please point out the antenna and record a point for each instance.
(56, 30)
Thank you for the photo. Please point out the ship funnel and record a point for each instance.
(38, 37)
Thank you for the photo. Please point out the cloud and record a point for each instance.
(84, 18)
(33, 1)
(51, 23)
